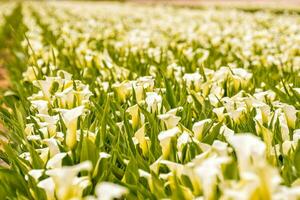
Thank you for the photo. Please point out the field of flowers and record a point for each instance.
(124, 101)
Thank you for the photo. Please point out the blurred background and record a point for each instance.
(245, 4)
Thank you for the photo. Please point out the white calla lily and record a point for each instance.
(70, 118)
(110, 191)
(290, 113)
(41, 106)
(170, 120)
(67, 184)
(142, 140)
(134, 113)
(153, 101)
(165, 138)
(199, 127)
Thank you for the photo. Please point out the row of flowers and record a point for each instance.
(160, 103)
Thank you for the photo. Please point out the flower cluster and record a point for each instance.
(153, 102)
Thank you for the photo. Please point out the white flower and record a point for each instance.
(36, 173)
(154, 101)
(65, 98)
(56, 161)
(122, 89)
(208, 171)
(41, 106)
(263, 113)
(242, 73)
(104, 155)
(296, 135)
(110, 191)
(250, 150)
(194, 79)
(292, 193)
(34, 137)
(143, 141)
(147, 82)
(70, 118)
(290, 113)
(67, 184)
(53, 146)
(134, 112)
(49, 187)
(219, 112)
(49, 122)
(267, 136)
(285, 133)
(287, 146)
(227, 132)
(182, 140)
(165, 138)
(170, 120)
(45, 86)
(199, 127)
(238, 115)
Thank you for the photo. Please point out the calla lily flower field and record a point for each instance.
(129, 101)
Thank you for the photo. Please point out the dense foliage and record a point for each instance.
(123, 101)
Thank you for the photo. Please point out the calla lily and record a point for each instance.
(110, 191)
(34, 137)
(70, 118)
(66, 98)
(64, 75)
(175, 110)
(45, 86)
(56, 161)
(53, 146)
(165, 138)
(263, 113)
(199, 127)
(250, 151)
(142, 140)
(154, 167)
(227, 132)
(285, 133)
(296, 135)
(36, 173)
(50, 122)
(170, 120)
(147, 82)
(134, 112)
(238, 115)
(219, 112)
(154, 101)
(41, 106)
(183, 139)
(122, 89)
(287, 193)
(287, 146)
(209, 171)
(139, 93)
(66, 183)
(291, 115)
(49, 186)
(194, 80)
